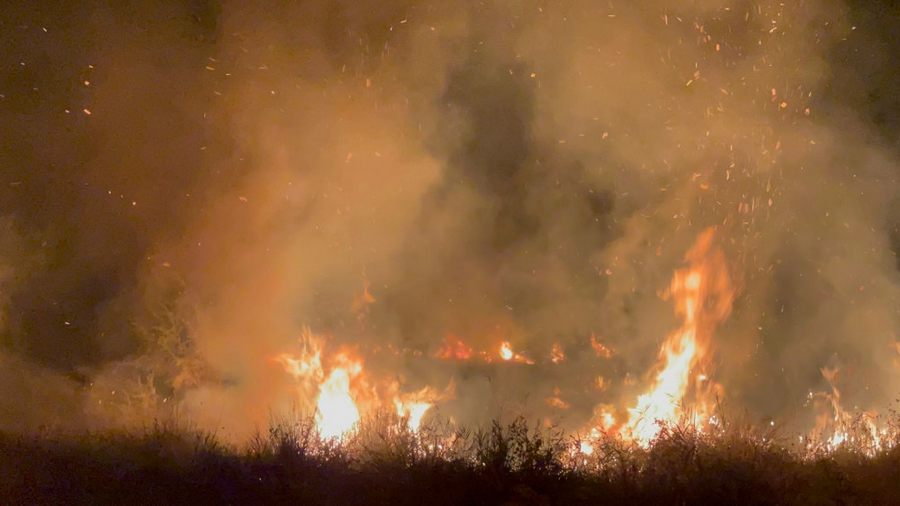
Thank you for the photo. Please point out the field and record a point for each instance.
(385, 463)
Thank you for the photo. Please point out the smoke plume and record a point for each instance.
(186, 186)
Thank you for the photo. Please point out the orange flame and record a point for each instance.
(506, 352)
(703, 297)
(341, 394)
(454, 348)
(336, 411)
(508, 355)
(600, 349)
(557, 355)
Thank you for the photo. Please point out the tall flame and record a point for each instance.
(336, 411)
(703, 296)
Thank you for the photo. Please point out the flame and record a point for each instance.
(412, 408)
(556, 400)
(586, 447)
(557, 355)
(335, 406)
(835, 426)
(508, 355)
(344, 395)
(454, 348)
(336, 411)
(600, 349)
(703, 296)
(506, 352)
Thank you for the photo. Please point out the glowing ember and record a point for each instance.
(454, 348)
(557, 356)
(556, 401)
(586, 448)
(599, 348)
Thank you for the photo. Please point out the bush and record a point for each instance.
(384, 462)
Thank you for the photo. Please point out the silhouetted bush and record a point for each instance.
(383, 461)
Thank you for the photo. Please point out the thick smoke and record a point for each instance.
(185, 187)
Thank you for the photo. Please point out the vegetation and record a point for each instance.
(384, 462)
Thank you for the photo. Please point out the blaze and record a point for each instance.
(454, 348)
(506, 352)
(600, 349)
(411, 408)
(336, 411)
(557, 355)
(340, 392)
(703, 295)
(508, 355)
(862, 430)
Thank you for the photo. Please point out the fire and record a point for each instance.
(703, 296)
(556, 400)
(600, 349)
(508, 355)
(861, 431)
(335, 407)
(412, 408)
(340, 393)
(506, 352)
(336, 411)
(557, 355)
(413, 412)
(454, 348)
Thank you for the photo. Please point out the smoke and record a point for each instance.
(185, 187)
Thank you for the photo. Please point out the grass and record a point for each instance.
(383, 462)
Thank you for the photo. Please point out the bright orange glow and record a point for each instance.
(412, 408)
(506, 352)
(600, 349)
(340, 393)
(336, 411)
(557, 356)
(703, 295)
(556, 401)
(454, 348)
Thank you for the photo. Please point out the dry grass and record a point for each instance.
(384, 462)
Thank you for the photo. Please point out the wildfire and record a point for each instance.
(508, 355)
(862, 430)
(703, 296)
(336, 411)
(413, 407)
(343, 395)
(454, 348)
(557, 355)
(600, 349)
(506, 352)
(556, 400)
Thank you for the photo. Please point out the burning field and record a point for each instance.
(540, 250)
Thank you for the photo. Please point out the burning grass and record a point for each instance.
(383, 461)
